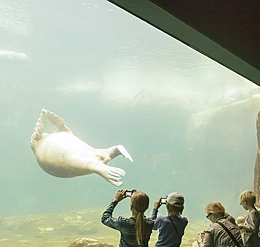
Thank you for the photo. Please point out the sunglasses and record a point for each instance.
(207, 216)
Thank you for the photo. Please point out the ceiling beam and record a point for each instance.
(170, 24)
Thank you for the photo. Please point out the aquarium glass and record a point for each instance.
(188, 122)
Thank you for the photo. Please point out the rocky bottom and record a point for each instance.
(70, 229)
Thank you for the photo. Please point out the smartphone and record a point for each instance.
(128, 193)
(163, 200)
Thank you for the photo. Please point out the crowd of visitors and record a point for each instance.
(224, 230)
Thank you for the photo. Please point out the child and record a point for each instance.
(200, 240)
(171, 227)
(135, 230)
(241, 221)
(247, 200)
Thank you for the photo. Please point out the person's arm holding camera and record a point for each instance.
(157, 204)
(120, 195)
(107, 218)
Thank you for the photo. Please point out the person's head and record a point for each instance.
(139, 202)
(138, 205)
(247, 199)
(175, 203)
(241, 219)
(214, 211)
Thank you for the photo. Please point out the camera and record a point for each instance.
(128, 193)
(163, 200)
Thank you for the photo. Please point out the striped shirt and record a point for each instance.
(126, 227)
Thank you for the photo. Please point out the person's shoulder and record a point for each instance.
(184, 220)
(123, 220)
(125, 223)
(255, 212)
(183, 217)
(224, 221)
(149, 221)
(161, 218)
(228, 222)
(212, 227)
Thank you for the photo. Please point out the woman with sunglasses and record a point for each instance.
(223, 231)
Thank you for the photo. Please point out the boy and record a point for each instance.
(247, 200)
(241, 221)
(171, 227)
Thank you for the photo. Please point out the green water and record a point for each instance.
(188, 122)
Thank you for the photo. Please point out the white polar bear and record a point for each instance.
(64, 155)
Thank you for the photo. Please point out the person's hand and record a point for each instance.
(242, 226)
(158, 203)
(120, 195)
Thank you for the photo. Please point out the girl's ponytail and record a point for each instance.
(139, 204)
(139, 228)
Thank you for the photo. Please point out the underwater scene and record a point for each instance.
(164, 118)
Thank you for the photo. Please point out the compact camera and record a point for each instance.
(163, 200)
(128, 193)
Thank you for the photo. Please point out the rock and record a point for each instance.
(257, 163)
(87, 242)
